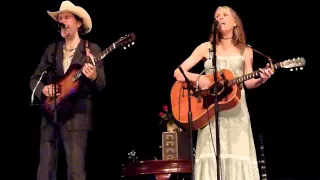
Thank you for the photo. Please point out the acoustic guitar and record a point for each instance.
(69, 83)
(203, 101)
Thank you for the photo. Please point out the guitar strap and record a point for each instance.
(88, 51)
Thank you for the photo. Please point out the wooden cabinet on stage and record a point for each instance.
(175, 145)
(175, 162)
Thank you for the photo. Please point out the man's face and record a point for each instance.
(71, 24)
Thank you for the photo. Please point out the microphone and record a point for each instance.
(216, 23)
(61, 25)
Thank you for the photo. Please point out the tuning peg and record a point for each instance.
(291, 69)
(301, 68)
(132, 43)
(124, 48)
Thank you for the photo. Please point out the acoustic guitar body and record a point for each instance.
(67, 89)
(229, 94)
(203, 107)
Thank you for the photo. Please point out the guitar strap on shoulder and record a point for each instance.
(88, 51)
(87, 46)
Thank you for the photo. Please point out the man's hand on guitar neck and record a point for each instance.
(48, 90)
(89, 70)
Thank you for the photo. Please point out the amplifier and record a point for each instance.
(175, 145)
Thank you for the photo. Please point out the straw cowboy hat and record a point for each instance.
(67, 6)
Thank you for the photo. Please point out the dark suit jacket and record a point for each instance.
(80, 116)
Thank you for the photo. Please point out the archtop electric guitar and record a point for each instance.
(69, 83)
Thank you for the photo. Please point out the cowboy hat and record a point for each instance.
(67, 6)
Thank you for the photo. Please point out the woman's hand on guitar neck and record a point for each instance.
(265, 73)
(48, 90)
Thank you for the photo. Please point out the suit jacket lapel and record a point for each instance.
(59, 58)
(79, 56)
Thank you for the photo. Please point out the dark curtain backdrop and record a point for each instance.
(140, 79)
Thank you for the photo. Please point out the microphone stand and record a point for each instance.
(189, 88)
(216, 108)
(51, 70)
(53, 75)
(55, 119)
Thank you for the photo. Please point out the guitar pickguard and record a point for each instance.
(209, 99)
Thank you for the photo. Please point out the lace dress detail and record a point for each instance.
(237, 151)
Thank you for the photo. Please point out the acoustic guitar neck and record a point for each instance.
(254, 74)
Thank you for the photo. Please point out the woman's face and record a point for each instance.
(226, 19)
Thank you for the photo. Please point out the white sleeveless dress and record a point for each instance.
(237, 150)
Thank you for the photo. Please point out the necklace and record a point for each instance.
(69, 50)
(72, 49)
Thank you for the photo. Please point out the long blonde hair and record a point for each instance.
(238, 37)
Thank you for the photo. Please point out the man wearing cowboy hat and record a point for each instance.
(75, 126)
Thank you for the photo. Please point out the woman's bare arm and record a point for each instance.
(252, 83)
(197, 55)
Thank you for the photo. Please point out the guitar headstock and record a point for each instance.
(296, 63)
(126, 41)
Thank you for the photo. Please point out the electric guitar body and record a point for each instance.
(68, 87)
(69, 84)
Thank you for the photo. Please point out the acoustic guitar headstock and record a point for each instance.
(294, 64)
(126, 41)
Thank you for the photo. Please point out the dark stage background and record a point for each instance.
(140, 79)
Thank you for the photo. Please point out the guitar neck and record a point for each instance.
(97, 59)
(254, 74)
(127, 40)
(105, 52)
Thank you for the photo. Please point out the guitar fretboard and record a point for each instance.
(246, 77)
(96, 59)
